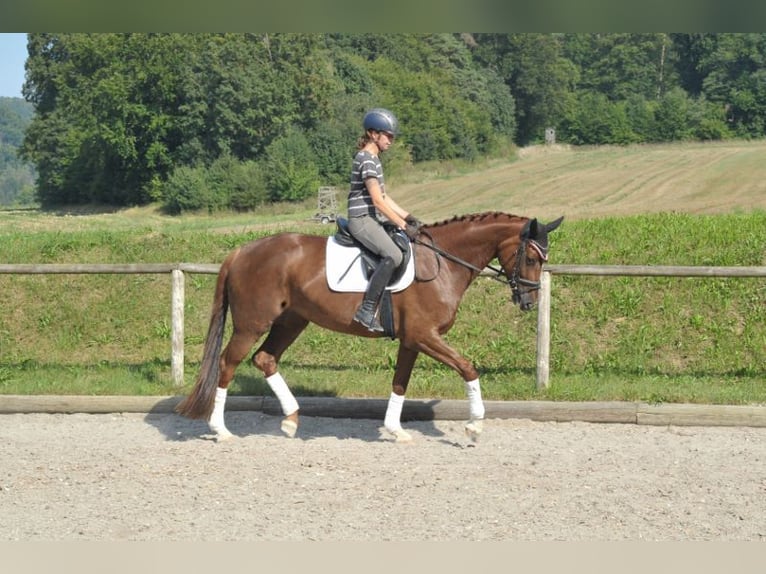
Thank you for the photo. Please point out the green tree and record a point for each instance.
(16, 176)
(290, 170)
(729, 71)
(104, 106)
(540, 77)
(734, 70)
(672, 117)
(116, 116)
(708, 120)
(596, 120)
(186, 190)
(623, 65)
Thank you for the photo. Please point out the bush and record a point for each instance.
(248, 186)
(186, 190)
(596, 120)
(671, 117)
(708, 121)
(290, 170)
(640, 114)
(227, 184)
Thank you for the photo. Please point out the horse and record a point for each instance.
(277, 285)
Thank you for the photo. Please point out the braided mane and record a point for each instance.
(473, 217)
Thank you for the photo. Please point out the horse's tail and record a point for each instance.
(199, 404)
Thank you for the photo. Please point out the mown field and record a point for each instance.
(651, 339)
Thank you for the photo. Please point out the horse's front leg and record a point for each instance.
(474, 426)
(436, 348)
(405, 361)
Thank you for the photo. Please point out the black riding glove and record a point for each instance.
(411, 231)
(414, 221)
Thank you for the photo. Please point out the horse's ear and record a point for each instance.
(554, 224)
(530, 229)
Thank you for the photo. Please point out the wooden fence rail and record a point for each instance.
(177, 271)
(544, 298)
(178, 282)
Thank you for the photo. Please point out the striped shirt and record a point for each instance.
(360, 203)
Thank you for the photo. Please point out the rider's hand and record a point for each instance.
(414, 221)
(411, 231)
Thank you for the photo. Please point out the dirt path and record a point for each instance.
(159, 477)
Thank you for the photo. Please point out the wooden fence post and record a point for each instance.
(177, 328)
(543, 330)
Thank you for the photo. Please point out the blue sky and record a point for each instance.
(13, 54)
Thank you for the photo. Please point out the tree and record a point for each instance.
(540, 78)
(116, 116)
(290, 171)
(105, 105)
(596, 120)
(672, 117)
(16, 176)
(734, 76)
(623, 65)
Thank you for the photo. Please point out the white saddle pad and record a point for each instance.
(345, 272)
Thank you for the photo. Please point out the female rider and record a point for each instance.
(369, 206)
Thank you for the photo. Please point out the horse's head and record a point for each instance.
(524, 266)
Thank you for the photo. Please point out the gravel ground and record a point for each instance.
(160, 477)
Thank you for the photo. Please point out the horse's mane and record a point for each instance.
(470, 217)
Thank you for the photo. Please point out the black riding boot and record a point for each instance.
(365, 314)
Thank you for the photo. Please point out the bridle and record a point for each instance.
(515, 281)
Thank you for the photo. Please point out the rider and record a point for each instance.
(369, 206)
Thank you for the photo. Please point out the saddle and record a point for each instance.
(350, 266)
(369, 259)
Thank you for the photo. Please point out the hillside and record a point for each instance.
(602, 181)
(544, 182)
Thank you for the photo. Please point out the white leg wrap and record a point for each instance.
(393, 420)
(286, 398)
(216, 422)
(475, 404)
(474, 426)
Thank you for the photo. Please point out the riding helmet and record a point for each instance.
(381, 120)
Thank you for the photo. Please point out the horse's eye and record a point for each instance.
(531, 261)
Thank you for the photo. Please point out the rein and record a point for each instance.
(513, 281)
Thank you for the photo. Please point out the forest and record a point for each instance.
(235, 121)
(16, 175)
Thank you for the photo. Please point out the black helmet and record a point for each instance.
(381, 120)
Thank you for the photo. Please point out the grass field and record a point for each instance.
(652, 339)
(590, 182)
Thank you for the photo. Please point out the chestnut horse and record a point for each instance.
(277, 285)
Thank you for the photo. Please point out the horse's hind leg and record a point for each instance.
(236, 350)
(282, 334)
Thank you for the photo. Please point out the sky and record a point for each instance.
(13, 54)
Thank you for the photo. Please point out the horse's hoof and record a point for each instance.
(400, 435)
(473, 429)
(223, 435)
(289, 428)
